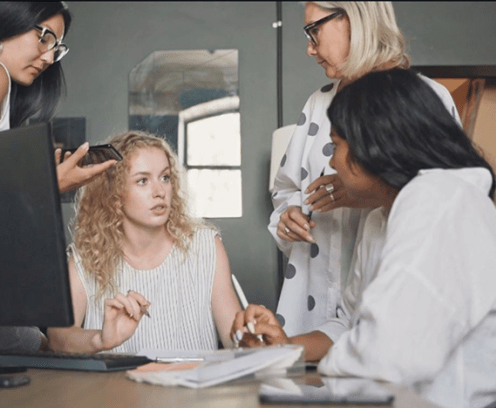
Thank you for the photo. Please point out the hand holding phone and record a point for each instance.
(96, 154)
(83, 164)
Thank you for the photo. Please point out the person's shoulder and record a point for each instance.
(440, 89)
(431, 189)
(444, 94)
(431, 185)
(318, 102)
(324, 93)
(73, 255)
(204, 232)
(202, 247)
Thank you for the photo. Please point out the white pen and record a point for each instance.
(244, 305)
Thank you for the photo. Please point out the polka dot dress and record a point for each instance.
(314, 272)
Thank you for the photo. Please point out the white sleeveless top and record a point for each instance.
(5, 106)
(180, 292)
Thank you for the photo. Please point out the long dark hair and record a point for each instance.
(44, 93)
(395, 125)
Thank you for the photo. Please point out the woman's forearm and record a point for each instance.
(316, 344)
(75, 340)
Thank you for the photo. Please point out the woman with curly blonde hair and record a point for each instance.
(136, 251)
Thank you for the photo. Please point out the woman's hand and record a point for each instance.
(261, 321)
(121, 318)
(70, 175)
(325, 194)
(328, 192)
(294, 226)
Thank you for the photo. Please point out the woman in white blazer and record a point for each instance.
(422, 312)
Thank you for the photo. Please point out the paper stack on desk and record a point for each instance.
(204, 369)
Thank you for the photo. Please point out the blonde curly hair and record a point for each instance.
(97, 227)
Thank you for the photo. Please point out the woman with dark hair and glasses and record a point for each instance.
(31, 77)
(28, 32)
(31, 83)
(423, 314)
(347, 39)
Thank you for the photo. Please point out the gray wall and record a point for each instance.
(108, 39)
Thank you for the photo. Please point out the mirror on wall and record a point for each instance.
(191, 98)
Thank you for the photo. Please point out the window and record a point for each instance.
(210, 149)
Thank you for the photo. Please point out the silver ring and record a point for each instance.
(287, 230)
(332, 197)
(330, 188)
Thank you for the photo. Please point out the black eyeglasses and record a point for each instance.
(310, 29)
(48, 41)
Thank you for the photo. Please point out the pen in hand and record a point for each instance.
(145, 311)
(311, 212)
(244, 305)
(142, 308)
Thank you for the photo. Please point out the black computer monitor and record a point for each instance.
(34, 283)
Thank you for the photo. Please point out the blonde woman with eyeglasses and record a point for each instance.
(348, 40)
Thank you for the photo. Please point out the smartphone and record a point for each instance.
(333, 391)
(7, 381)
(96, 154)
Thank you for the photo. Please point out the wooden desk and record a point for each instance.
(72, 389)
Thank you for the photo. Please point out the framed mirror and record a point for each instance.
(191, 98)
